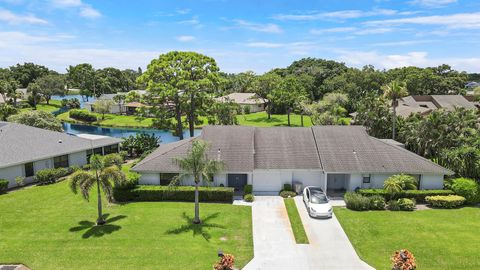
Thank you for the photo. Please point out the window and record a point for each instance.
(366, 178)
(29, 169)
(60, 162)
(166, 178)
(96, 151)
(110, 149)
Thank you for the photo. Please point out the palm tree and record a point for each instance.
(103, 175)
(197, 164)
(393, 91)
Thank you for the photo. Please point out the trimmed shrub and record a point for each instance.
(50, 176)
(287, 187)
(179, 193)
(248, 189)
(246, 109)
(406, 204)
(377, 202)
(249, 198)
(113, 159)
(287, 194)
(393, 205)
(82, 115)
(467, 188)
(356, 201)
(450, 201)
(418, 195)
(3, 185)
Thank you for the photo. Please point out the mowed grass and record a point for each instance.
(260, 119)
(48, 227)
(439, 239)
(296, 221)
(51, 107)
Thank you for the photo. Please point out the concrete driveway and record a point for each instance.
(275, 247)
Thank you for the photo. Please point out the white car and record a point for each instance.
(317, 202)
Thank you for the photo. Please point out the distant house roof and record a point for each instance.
(472, 84)
(334, 149)
(425, 104)
(243, 98)
(136, 105)
(20, 143)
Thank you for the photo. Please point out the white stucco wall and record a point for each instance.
(431, 181)
(356, 181)
(149, 179)
(43, 164)
(10, 173)
(309, 178)
(254, 107)
(78, 159)
(220, 179)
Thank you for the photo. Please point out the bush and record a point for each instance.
(248, 189)
(393, 205)
(418, 195)
(249, 198)
(82, 115)
(113, 159)
(450, 201)
(50, 176)
(287, 194)
(356, 201)
(180, 193)
(3, 185)
(467, 188)
(246, 109)
(377, 202)
(287, 187)
(406, 204)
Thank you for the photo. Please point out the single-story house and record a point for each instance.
(25, 150)
(427, 103)
(336, 158)
(252, 100)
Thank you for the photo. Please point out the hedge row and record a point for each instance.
(50, 176)
(417, 195)
(180, 193)
(82, 115)
(450, 201)
(3, 185)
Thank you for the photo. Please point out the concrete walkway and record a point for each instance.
(275, 247)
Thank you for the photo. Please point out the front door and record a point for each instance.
(237, 181)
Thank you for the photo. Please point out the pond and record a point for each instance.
(165, 135)
(79, 97)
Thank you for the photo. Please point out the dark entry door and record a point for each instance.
(237, 181)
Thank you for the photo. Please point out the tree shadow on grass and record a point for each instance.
(197, 229)
(98, 231)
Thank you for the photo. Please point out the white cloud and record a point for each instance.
(352, 30)
(194, 21)
(267, 45)
(338, 15)
(419, 59)
(433, 3)
(12, 18)
(403, 43)
(84, 10)
(371, 31)
(453, 21)
(13, 38)
(332, 30)
(258, 27)
(185, 38)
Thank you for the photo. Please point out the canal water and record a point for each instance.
(165, 135)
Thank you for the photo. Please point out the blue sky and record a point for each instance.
(241, 35)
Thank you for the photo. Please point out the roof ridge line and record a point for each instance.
(411, 153)
(180, 144)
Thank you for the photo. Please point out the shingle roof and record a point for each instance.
(21, 143)
(285, 148)
(450, 101)
(341, 149)
(243, 98)
(347, 149)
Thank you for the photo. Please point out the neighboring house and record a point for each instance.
(426, 104)
(25, 150)
(116, 108)
(252, 100)
(336, 158)
(472, 85)
(24, 95)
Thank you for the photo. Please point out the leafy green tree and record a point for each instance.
(264, 85)
(39, 119)
(120, 100)
(8, 89)
(7, 110)
(50, 85)
(27, 73)
(34, 89)
(476, 93)
(223, 113)
(330, 110)
(180, 78)
(109, 80)
(283, 98)
(82, 76)
(103, 176)
(139, 144)
(200, 167)
(243, 82)
(394, 91)
(103, 107)
(374, 114)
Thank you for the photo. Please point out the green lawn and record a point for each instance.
(439, 239)
(260, 119)
(113, 120)
(296, 221)
(53, 106)
(48, 227)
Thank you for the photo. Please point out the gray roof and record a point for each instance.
(20, 143)
(334, 149)
(243, 98)
(450, 101)
(349, 149)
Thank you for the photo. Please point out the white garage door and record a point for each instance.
(267, 181)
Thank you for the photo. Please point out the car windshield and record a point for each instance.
(319, 198)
